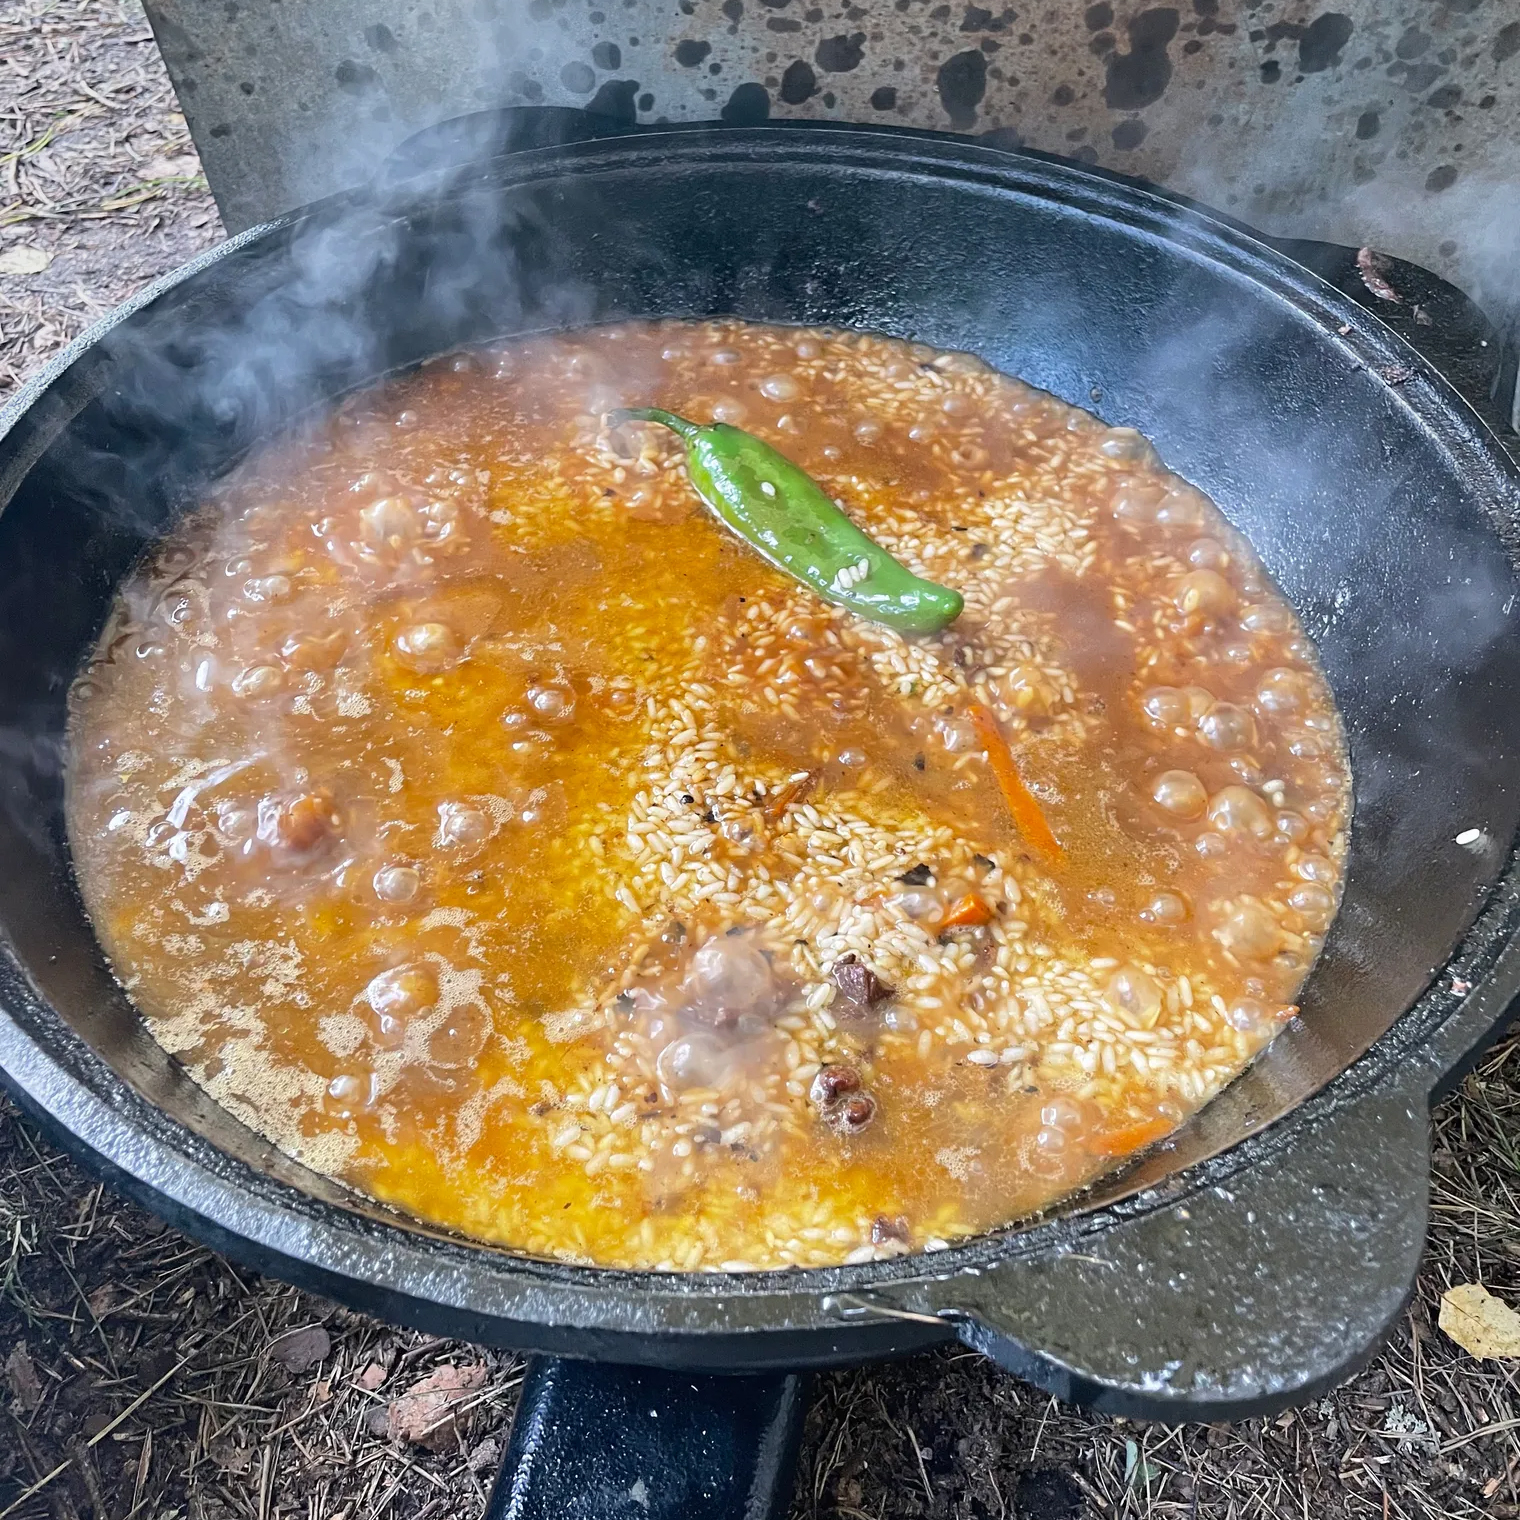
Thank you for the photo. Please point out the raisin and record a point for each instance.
(832, 1083)
(852, 1116)
(299, 827)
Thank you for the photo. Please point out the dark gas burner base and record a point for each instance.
(598, 1442)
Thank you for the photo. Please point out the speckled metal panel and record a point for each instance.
(1395, 122)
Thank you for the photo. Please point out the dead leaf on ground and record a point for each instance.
(230, 1458)
(22, 1377)
(24, 259)
(182, 166)
(102, 1300)
(485, 1457)
(296, 1350)
(426, 1413)
(1479, 1323)
(371, 1378)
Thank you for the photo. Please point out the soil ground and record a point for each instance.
(144, 1378)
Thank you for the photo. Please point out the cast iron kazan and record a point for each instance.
(1251, 1263)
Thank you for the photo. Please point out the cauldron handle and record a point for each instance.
(1266, 1286)
(599, 1441)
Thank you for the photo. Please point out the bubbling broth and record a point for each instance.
(475, 816)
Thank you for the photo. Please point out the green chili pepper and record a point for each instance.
(779, 509)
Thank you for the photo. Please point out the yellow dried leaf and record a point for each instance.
(1478, 1322)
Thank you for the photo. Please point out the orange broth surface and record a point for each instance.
(478, 818)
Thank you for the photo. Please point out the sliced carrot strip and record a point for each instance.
(1129, 1137)
(1021, 801)
(968, 912)
(792, 792)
